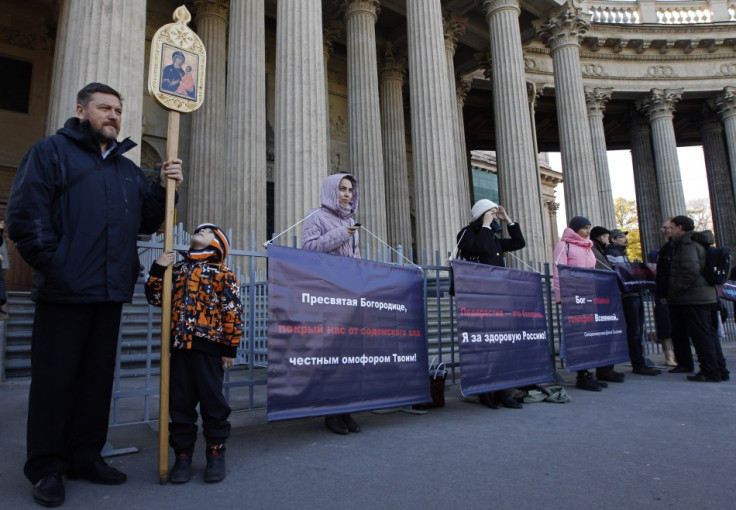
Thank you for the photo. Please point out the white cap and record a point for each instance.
(481, 207)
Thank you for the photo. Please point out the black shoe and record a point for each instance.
(645, 370)
(215, 469)
(350, 423)
(511, 403)
(336, 425)
(49, 490)
(599, 382)
(100, 473)
(181, 472)
(701, 377)
(587, 382)
(488, 400)
(726, 376)
(611, 376)
(679, 369)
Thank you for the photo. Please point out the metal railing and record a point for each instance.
(135, 399)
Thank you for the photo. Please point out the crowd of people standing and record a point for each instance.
(75, 210)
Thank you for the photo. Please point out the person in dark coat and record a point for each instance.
(601, 238)
(74, 212)
(3, 262)
(479, 242)
(661, 310)
(633, 305)
(693, 303)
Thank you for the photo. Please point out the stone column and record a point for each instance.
(454, 28)
(722, 204)
(432, 140)
(300, 134)
(659, 107)
(462, 88)
(596, 99)
(330, 32)
(364, 119)
(645, 185)
(205, 180)
(393, 132)
(102, 41)
(518, 173)
(549, 232)
(244, 192)
(725, 106)
(562, 33)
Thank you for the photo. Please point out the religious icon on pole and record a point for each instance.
(177, 69)
(176, 81)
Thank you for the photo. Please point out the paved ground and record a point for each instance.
(650, 443)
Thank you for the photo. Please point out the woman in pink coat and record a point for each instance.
(576, 249)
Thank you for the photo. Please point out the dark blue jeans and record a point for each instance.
(634, 315)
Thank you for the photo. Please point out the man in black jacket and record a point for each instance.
(693, 302)
(74, 213)
(633, 306)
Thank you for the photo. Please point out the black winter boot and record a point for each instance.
(215, 470)
(181, 471)
(587, 382)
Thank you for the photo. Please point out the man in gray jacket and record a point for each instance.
(693, 301)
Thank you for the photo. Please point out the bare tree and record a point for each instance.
(699, 210)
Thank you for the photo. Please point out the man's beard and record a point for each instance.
(104, 137)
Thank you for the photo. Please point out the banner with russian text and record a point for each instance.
(636, 276)
(593, 324)
(344, 335)
(502, 330)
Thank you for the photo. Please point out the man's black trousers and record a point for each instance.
(73, 349)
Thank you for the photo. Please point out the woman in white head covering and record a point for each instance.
(480, 242)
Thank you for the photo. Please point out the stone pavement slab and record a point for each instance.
(649, 443)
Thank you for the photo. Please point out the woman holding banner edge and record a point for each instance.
(478, 242)
(576, 249)
(331, 228)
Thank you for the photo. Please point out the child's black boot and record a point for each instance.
(215, 470)
(181, 472)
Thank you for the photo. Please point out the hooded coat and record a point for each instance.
(206, 311)
(572, 250)
(75, 217)
(326, 228)
(687, 285)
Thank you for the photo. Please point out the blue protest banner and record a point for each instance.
(593, 324)
(729, 290)
(502, 331)
(344, 335)
(635, 276)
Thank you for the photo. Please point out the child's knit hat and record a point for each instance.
(219, 246)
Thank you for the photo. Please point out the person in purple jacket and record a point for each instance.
(331, 228)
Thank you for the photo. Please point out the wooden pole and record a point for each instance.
(172, 149)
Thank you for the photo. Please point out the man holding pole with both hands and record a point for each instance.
(74, 212)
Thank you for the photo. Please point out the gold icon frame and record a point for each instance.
(176, 51)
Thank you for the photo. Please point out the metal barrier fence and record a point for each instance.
(135, 399)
